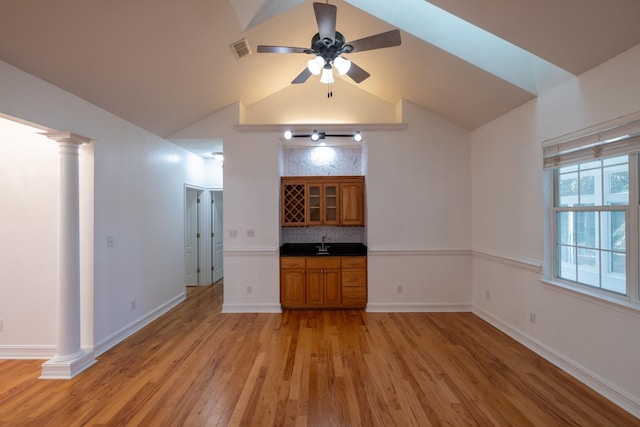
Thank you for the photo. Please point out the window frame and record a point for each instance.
(616, 137)
(632, 230)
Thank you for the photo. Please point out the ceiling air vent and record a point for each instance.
(240, 48)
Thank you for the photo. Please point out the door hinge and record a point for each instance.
(212, 234)
(197, 235)
(212, 267)
(197, 200)
(198, 271)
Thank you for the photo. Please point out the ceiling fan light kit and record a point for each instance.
(328, 44)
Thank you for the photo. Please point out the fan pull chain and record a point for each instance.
(330, 90)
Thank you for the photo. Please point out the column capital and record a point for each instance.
(67, 137)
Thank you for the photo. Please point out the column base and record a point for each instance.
(67, 367)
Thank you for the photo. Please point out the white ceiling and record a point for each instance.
(164, 64)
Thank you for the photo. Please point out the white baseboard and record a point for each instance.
(65, 368)
(416, 308)
(138, 324)
(251, 308)
(27, 351)
(592, 380)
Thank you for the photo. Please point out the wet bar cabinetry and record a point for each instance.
(323, 282)
(315, 200)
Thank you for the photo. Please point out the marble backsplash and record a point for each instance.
(314, 234)
(322, 161)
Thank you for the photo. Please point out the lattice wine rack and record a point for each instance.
(293, 212)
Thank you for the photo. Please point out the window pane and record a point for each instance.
(615, 160)
(565, 232)
(567, 262)
(568, 189)
(613, 233)
(568, 169)
(587, 186)
(590, 165)
(586, 229)
(588, 271)
(614, 266)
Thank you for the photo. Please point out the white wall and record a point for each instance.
(28, 226)
(418, 215)
(595, 341)
(137, 196)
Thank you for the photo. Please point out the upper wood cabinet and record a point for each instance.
(313, 200)
(323, 200)
(352, 203)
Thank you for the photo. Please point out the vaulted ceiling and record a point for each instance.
(164, 64)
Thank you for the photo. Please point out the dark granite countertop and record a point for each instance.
(333, 249)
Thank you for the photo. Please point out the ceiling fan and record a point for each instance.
(328, 45)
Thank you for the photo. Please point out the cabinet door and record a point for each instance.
(352, 203)
(332, 287)
(315, 287)
(292, 284)
(331, 203)
(314, 204)
(293, 202)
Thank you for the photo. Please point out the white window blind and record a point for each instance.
(615, 137)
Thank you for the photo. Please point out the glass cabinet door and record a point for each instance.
(314, 203)
(331, 203)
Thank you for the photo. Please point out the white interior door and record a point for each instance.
(217, 236)
(191, 238)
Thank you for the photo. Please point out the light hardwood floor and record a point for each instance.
(197, 367)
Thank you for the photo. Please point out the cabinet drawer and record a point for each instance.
(354, 262)
(292, 262)
(326, 262)
(354, 296)
(354, 277)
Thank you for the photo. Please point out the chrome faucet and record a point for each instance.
(323, 248)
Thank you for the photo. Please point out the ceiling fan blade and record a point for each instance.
(281, 49)
(357, 73)
(326, 17)
(302, 77)
(378, 41)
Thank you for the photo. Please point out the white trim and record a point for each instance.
(27, 351)
(251, 308)
(618, 396)
(326, 127)
(620, 303)
(138, 324)
(65, 368)
(417, 251)
(251, 251)
(526, 264)
(417, 307)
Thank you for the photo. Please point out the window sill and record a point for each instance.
(619, 303)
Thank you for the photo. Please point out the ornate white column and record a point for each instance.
(69, 359)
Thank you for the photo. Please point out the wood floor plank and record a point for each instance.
(197, 367)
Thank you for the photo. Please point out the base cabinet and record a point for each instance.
(311, 282)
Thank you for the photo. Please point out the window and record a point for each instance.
(590, 212)
(592, 206)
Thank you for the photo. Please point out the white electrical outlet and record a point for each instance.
(110, 240)
(251, 233)
(487, 294)
(400, 289)
(532, 318)
(1, 324)
(233, 234)
(133, 305)
(249, 289)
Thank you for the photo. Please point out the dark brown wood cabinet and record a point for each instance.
(314, 200)
(323, 282)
